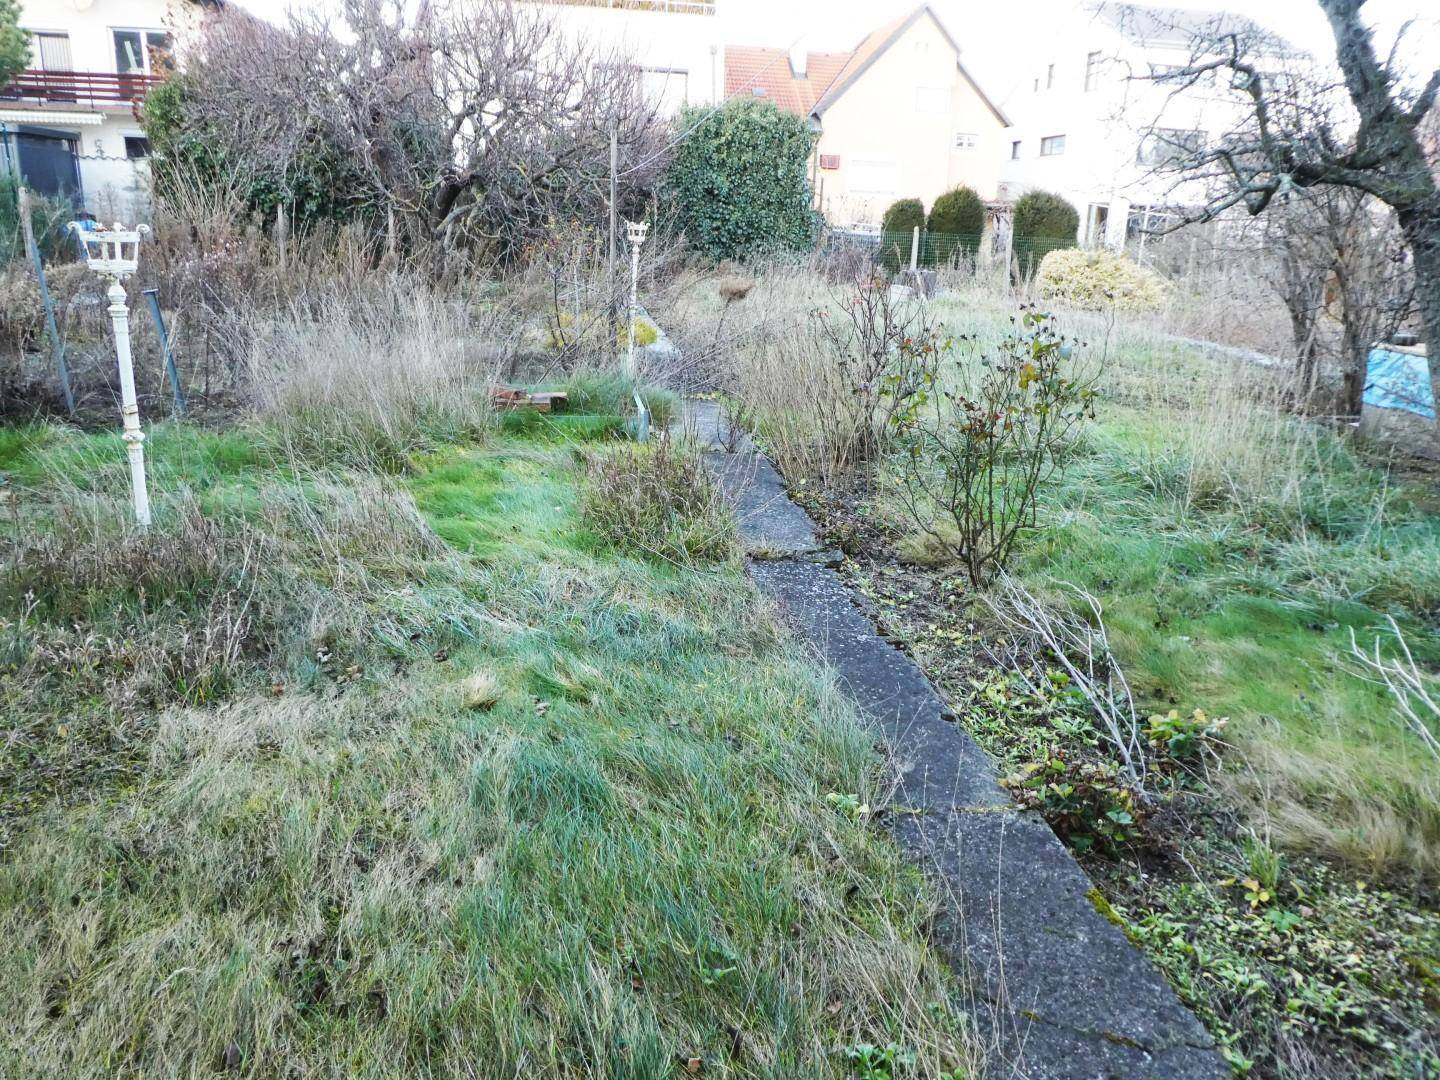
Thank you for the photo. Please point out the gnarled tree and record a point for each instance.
(1366, 134)
(475, 121)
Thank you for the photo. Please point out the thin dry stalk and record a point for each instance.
(1082, 647)
(1412, 692)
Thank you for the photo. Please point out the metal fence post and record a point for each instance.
(177, 395)
(915, 249)
(57, 347)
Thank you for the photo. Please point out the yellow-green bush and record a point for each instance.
(646, 333)
(1098, 280)
(565, 330)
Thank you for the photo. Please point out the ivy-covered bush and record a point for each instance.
(956, 222)
(1099, 280)
(1042, 222)
(896, 229)
(738, 184)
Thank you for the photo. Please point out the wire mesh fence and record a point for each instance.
(993, 249)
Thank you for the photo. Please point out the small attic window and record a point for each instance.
(757, 91)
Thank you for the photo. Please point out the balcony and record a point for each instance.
(95, 89)
(674, 7)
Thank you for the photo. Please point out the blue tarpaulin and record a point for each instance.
(1399, 380)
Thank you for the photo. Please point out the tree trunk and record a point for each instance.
(1421, 227)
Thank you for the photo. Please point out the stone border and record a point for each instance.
(1057, 989)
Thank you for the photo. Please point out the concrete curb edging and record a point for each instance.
(1057, 988)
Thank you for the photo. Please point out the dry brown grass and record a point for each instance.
(375, 374)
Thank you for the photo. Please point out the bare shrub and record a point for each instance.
(977, 446)
(820, 383)
(471, 124)
(1081, 645)
(660, 499)
(1413, 692)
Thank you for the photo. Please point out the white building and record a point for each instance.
(1090, 123)
(676, 43)
(69, 125)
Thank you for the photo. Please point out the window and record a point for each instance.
(1052, 145)
(1015, 151)
(1147, 220)
(1050, 77)
(1037, 86)
(141, 52)
(932, 100)
(1092, 71)
(874, 177)
(52, 52)
(136, 147)
(666, 88)
(1163, 146)
(1278, 82)
(966, 141)
(1097, 223)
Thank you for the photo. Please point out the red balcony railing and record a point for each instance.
(78, 87)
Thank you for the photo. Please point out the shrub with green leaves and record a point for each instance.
(14, 42)
(1099, 280)
(955, 225)
(1090, 805)
(738, 185)
(1042, 222)
(896, 229)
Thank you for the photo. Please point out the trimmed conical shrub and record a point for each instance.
(956, 222)
(896, 230)
(1042, 222)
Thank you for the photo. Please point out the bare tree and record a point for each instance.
(475, 120)
(1334, 256)
(1368, 135)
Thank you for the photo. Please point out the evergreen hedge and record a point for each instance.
(738, 184)
(896, 229)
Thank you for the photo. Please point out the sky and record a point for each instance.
(989, 33)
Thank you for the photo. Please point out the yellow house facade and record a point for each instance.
(899, 117)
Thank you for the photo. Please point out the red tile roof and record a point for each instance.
(747, 69)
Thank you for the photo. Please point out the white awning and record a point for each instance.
(50, 118)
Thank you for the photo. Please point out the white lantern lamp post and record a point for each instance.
(114, 253)
(635, 232)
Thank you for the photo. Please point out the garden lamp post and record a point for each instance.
(635, 232)
(114, 253)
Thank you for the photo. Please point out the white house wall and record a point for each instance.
(112, 185)
(1103, 126)
(894, 131)
(683, 55)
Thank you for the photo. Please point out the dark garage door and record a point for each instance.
(48, 163)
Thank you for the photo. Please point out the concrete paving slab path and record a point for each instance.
(1056, 987)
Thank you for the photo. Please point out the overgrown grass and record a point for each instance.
(659, 500)
(1241, 602)
(1234, 548)
(481, 795)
